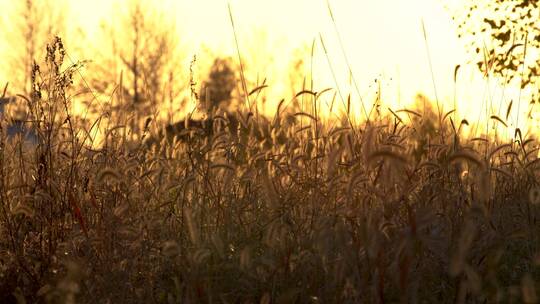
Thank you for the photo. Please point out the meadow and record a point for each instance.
(285, 207)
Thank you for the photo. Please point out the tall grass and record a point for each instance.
(283, 210)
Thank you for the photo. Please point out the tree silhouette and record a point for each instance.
(28, 29)
(141, 64)
(218, 89)
(510, 48)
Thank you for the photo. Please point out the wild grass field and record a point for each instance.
(280, 208)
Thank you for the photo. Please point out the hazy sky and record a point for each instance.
(383, 39)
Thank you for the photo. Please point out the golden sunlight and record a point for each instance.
(269, 151)
(391, 49)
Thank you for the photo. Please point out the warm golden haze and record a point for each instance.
(383, 40)
(270, 152)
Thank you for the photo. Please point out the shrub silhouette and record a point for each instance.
(216, 95)
(217, 90)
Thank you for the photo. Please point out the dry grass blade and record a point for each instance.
(319, 94)
(4, 92)
(170, 249)
(513, 47)
(23, 209)
(396, 145)
(108, 174)
(305, 92)
(308, 127)
(498, 149)
(278, 110)
(501, 171)
(517, 134)
(111, 130)
(258, 89)
(120, 210)
(448, 114)
(388, 154)
(344, 54)
(463, 122)
(24, 97)
(497, 118)
(354, 180)
(338, 131)
(222, 166)
(508, 109)
(429, 164)
(527, 142)
(456, 70)
(240, 61)
(479, 139)
(466, 156)
(396, 116)
(304, 114)
(531, 153)
(410, 112)
(532, 164)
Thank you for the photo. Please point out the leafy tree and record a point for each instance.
(510, 44)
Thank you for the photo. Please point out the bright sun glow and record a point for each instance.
(382, 40)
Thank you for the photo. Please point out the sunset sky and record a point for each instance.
(383, 39)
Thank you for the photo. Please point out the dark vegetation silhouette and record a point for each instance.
(32, 25)
(140, 65)
(215, 98)
(511, 32)
(285, 207)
